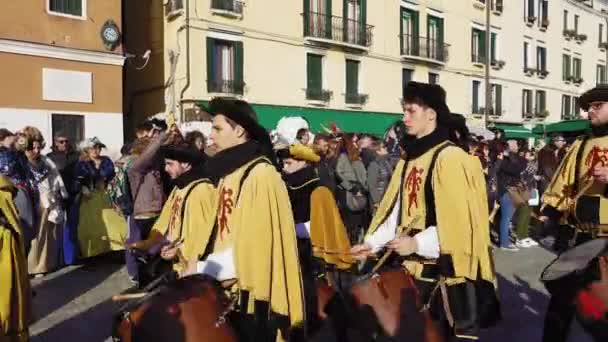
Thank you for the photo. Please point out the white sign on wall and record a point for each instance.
(67, 86)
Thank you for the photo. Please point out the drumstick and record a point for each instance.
(389, 252)
(128, 296)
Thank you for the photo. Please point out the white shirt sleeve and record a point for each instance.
(428, 243)
(303, 230)
(218, 265)
(386, 231)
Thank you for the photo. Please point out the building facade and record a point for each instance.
(61, 62)
(347, 61)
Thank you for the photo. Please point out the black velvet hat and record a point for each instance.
(243, 114)
(431, 95)
(597, 94)
(183, 154)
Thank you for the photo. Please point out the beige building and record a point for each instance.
(61, 62)
(347, 60)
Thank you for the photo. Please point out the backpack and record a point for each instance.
(119, 188)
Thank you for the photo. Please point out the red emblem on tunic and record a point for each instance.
(175, 213)
(412, 183)
(596, 157)
(226, 205)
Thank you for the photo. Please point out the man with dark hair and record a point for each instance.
(189, 211)
(254, 235)
(435, 207)
(578, 194)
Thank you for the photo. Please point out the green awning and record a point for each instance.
(349, 121)
(563, 126)
(516, 131)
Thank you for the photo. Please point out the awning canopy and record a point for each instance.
(563, 126)
(348, 121)
(516, 131)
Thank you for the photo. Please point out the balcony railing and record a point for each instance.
(425, 48)
(225, 86)
(358, 99)
(234, 6)
(318, 94)
(343, 30)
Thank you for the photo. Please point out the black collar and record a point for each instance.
(418, 147)
(599, 131)
(300, 177)
(228, 161)
(193, 175)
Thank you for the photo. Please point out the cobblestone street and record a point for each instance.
(74, 305)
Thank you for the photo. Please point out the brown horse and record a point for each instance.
(190, 309)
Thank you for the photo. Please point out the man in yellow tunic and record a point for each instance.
(254, 240)
(15, 293)
(578, 195)
(188, 215)
(435, 214)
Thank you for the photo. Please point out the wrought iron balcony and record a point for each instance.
(225, 86)
(318, 94)
(428, 49)
(234, 6)
(344, 31)
(357, 99)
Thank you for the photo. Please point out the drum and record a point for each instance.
(190, 309)
(391, 299)
(580, 275)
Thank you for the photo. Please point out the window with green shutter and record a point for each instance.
(478, 46)
(497, 99)
(409, 32)
(566, 107)
(576, 68)
(476, 90)
(352, 77)
(566, 67)
(225, 66)
(407, 75)
(314, 71)
(70, 7)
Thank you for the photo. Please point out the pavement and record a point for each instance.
(73, 304)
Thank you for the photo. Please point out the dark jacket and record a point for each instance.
(379, 175)
(548, 162)
(88, 175)
(509, 172)
(66, 165)
(145, 180)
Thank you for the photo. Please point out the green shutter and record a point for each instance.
(363, 25)
(210, 65)
(314, 72)
(352, 77)
(328, 16)
(482, 45)
(415, 33)
(238, 67)
(403, 16)
(475, 96)
(498, 99)
(492, 46)
(306, 14)
(345, 20)
(440, 40)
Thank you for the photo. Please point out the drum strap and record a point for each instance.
(184, 204)
(429, 195)
(577, 165)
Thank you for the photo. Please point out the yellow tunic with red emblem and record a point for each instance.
(573, 190)
(15, 293)
(460, 210)
(188, 215)
(255, 219)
